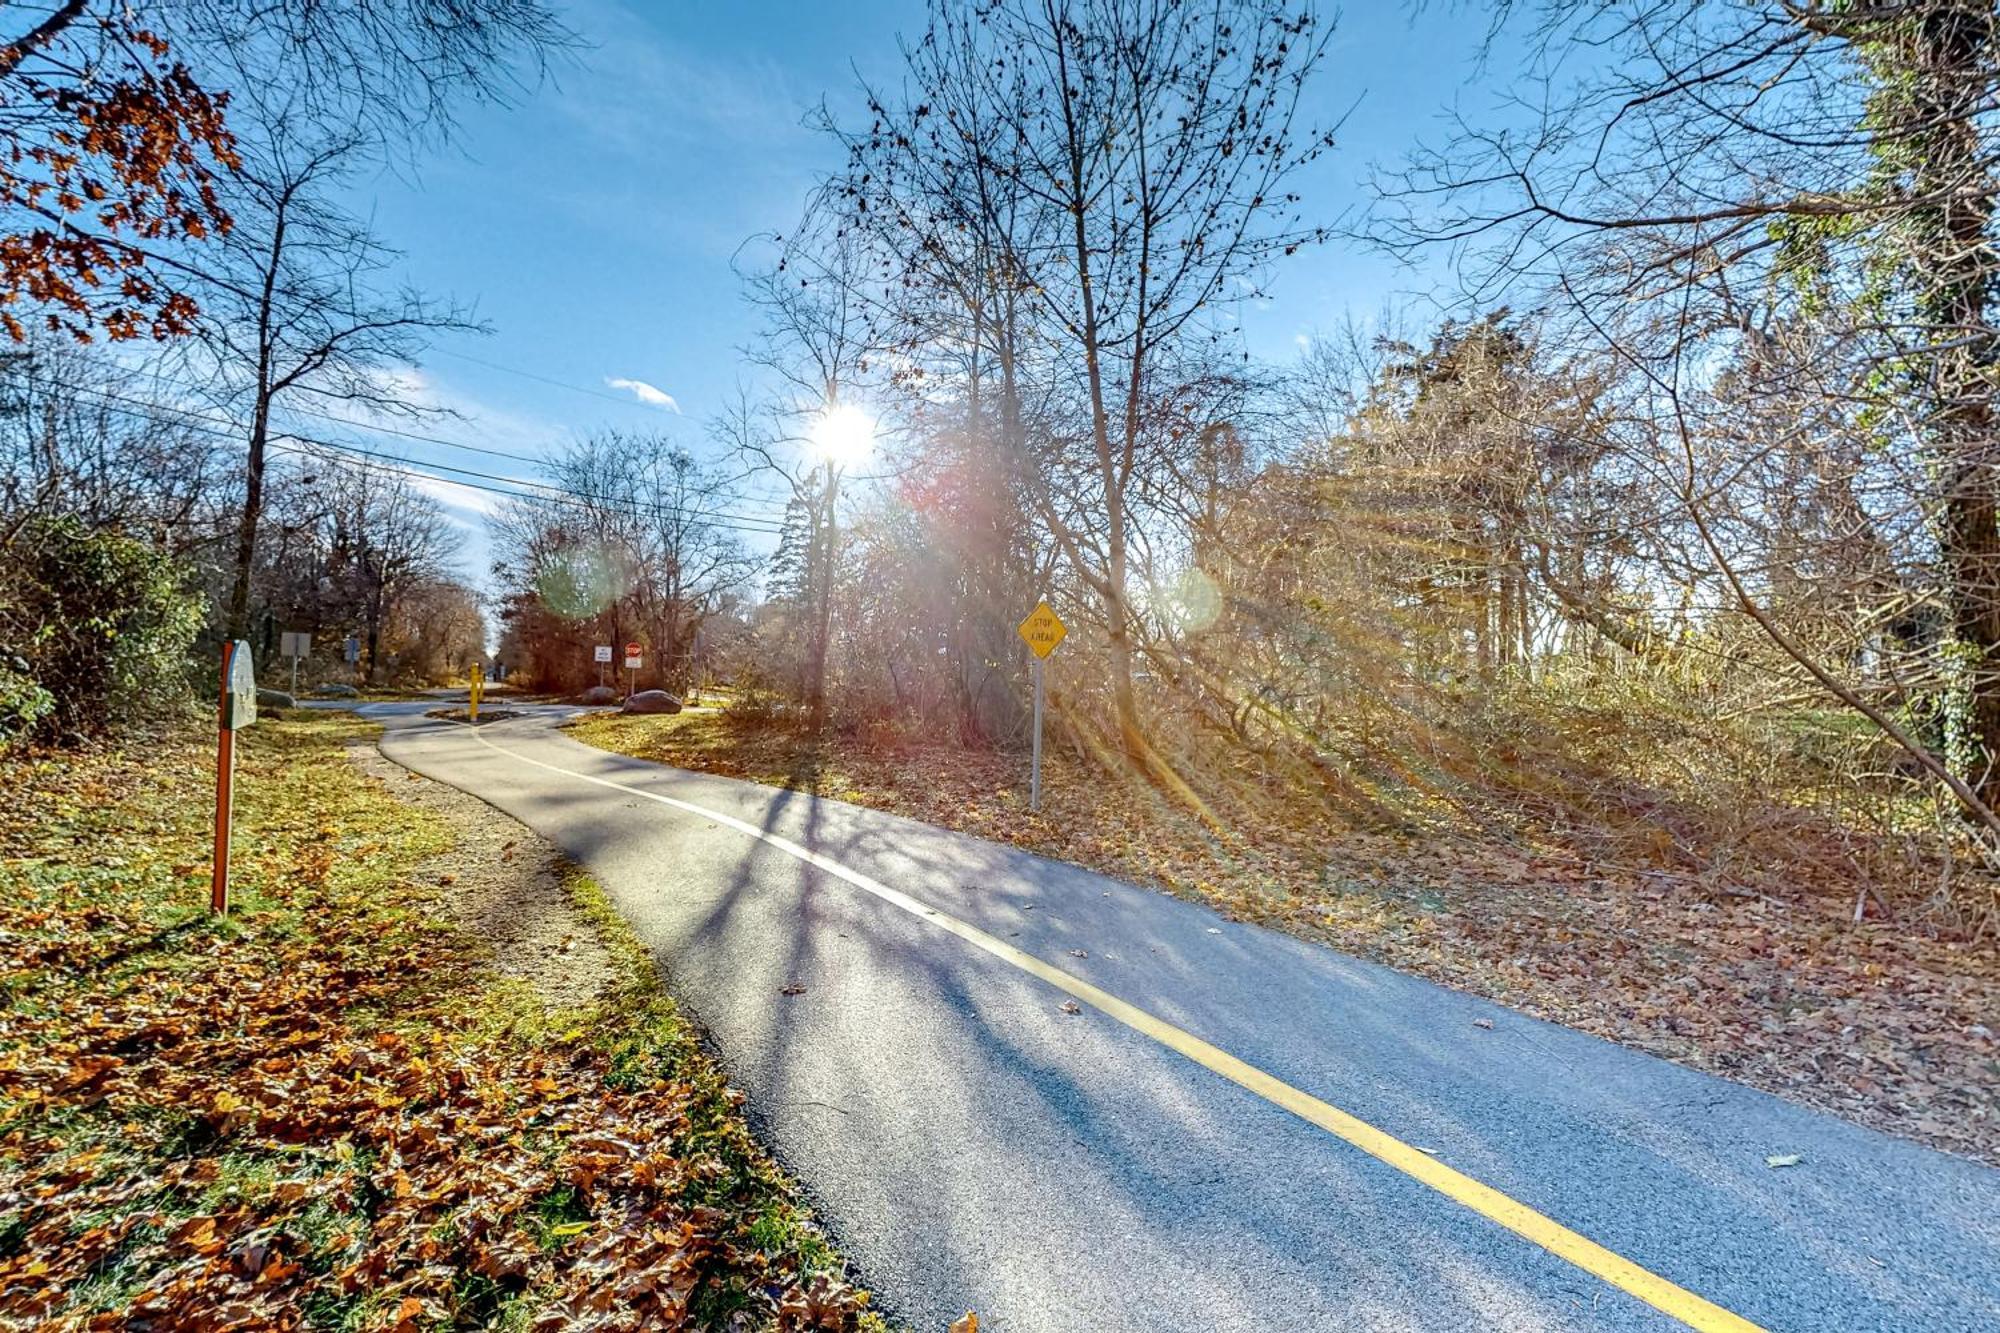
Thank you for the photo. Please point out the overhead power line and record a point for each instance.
(560, 499)
(298, 444)
(544, 379)
(399, 433)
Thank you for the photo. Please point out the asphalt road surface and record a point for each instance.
(1178, 1153)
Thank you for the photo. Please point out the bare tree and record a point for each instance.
(120, 117)
(819, 334)
(80, 436)
(296, 321)
(385, 539)
(1127, 162)
(1725, 182)
(633, 546)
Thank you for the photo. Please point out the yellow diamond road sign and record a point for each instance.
(1043, 630)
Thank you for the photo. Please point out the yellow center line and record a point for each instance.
(1488, 1202)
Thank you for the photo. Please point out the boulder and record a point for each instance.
(337, 692)
(651, 701)
(598, 694)
(275, 699)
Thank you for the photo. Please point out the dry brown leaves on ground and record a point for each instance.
(1881, 1023)
(323, 1112)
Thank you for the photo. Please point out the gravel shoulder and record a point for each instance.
(505, 885)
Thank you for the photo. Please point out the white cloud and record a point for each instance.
(458, 496)
(645, 393)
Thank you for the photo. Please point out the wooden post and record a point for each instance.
(225, 793)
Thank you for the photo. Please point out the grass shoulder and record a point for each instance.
(330, 1105)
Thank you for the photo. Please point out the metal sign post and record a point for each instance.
(295, 644)
(1035, 778)
(235, 709)
(633, 660)
(601, 654)
(1041, 631)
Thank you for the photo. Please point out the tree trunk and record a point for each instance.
(260, 430)
(253, 512)
(1118, 633)
(375, 636)
(822, 631)
(1949, 58)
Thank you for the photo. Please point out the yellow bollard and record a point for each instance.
(472, 694)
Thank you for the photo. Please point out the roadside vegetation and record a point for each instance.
(329, 1109)
(1765, 979)
(1616, 634)
(1620, 639)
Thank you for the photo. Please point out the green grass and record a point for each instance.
(104, 883)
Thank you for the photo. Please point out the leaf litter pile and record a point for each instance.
(328, 1111)
(1879, 1022)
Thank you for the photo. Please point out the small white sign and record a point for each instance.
(634, 662)
(352, 649)
(239, 689)
(601, 653)
(294, 643)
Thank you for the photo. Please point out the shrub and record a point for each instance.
(23, 703)
(95, 628)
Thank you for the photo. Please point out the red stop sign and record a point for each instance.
(631, 650)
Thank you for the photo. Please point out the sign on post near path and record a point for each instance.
(1042, 631)
(295, 644)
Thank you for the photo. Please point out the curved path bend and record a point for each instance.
(1191, 1149)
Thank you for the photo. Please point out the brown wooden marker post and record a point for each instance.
(225, 771)
(236, 706)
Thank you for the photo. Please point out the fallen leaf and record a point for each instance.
(1071, 1007)
(968, 1324)
(1783, 1159)
(1079, 953)
(1486, 1023)
(791, 988)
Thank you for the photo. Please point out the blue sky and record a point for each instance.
(592, 224)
